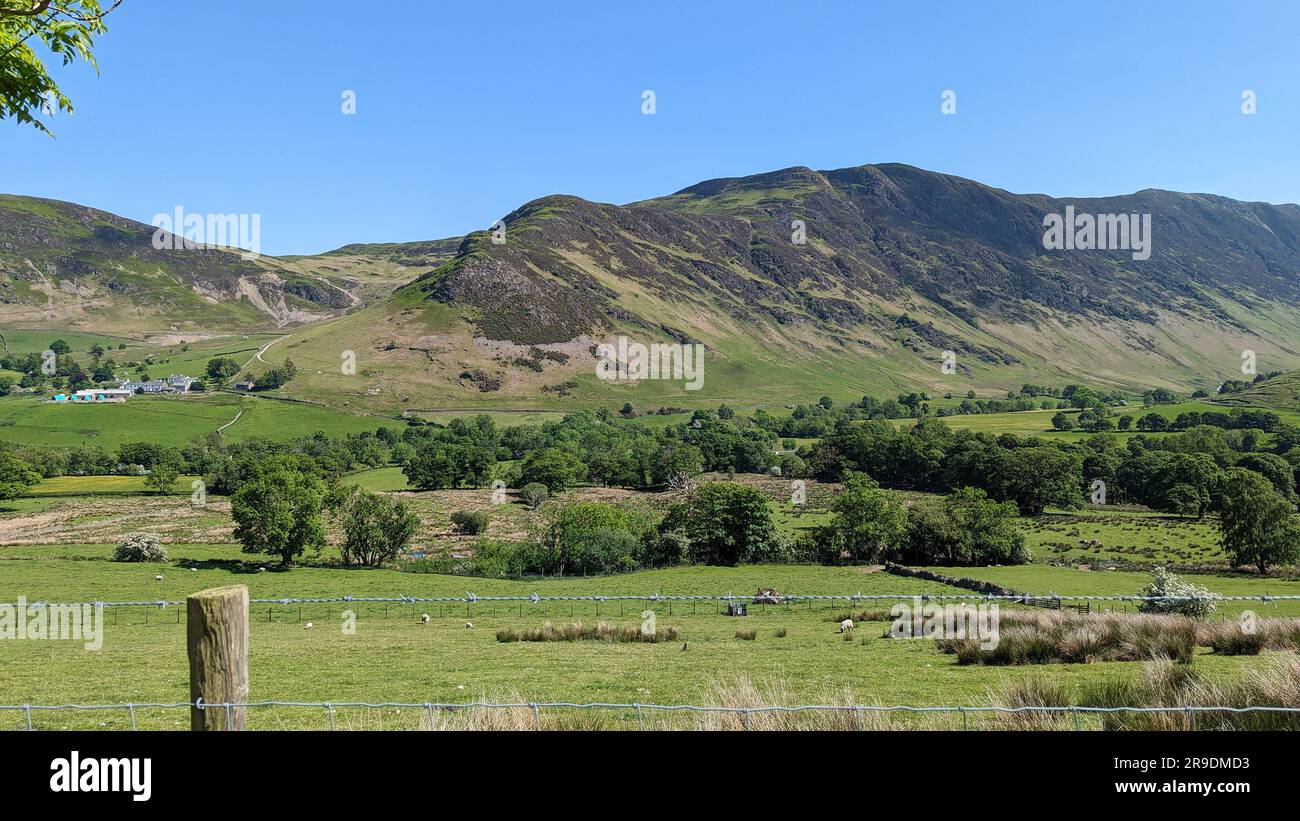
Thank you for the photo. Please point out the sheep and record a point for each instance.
(158, 578)
(308, 626)
(846, 625)
(424, 618)
(469, 625)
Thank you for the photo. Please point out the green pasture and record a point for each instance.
(390, 656)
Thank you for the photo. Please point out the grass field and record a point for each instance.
(55, 545)
(165, 420)
(100, 485)
(1138, 537)
(34, 341)
(169, 355)
(1039, 422)
(390, 478)
(390, 656)
(171, 420)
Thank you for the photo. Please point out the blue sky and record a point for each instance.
(465, 111)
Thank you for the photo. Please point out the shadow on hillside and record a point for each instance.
(232, 565)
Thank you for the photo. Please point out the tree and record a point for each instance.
(1257, 524)
(66, 29)
(557, 469)
(16, 476)
(376, 528)
(1062, 422)
(1274, 468)
(1035, 477)
(438, 465)
(276, 377)
(1095, 418)
(678, 466)
(278, 512)
(222, 369)
(1183, 483)
(60, 348)
(869, 523)
(1182, 499)
(164, 472)
(725, 524)
(986, 530)
(432, 467)
(103, 370)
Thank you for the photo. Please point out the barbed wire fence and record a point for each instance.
(471, 600)
(635, 715)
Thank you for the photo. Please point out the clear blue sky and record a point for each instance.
(467, 110)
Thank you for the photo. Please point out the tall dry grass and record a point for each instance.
(600, 631)
(1165, 683)
(1162, 683)
(742, 693)
(1045, 637)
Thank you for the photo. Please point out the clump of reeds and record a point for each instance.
(600, 631)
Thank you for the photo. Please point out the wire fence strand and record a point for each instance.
(470, 598)
(747, 713)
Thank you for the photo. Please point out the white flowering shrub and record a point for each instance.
(140, 547)
(1164, 583)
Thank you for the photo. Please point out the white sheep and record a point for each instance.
(846, 625)
(424, 618)
(158, 578)
(469, 625)
(308, 626)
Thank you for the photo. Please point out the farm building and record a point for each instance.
(175, 383)
(93, 395)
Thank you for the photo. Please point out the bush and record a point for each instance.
(140, 547)
(589, 538)
(664, 549)
(534, 494)
(604, 550)
(495, 559)
(470, 522)
(1164, 583)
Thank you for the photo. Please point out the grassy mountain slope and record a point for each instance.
(1281, 392)
(899, 265)
(68, 267)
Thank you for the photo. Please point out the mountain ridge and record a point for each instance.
(898, 265)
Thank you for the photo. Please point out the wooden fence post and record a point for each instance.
(217, 637)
